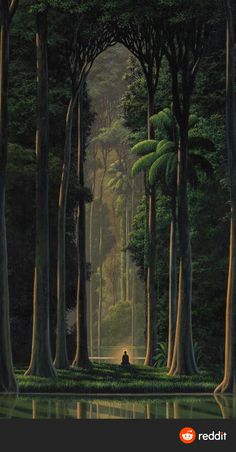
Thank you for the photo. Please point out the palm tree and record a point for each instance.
(160, 160)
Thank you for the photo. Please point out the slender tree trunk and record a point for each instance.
(183, 362)
(100, 301)
(127, 276)
(123, 269)
(151, 284)
(41, 360)
(229, 381)
(133, 291)
(100, 283)
(151, 314)
(81, 357)
(7, 378)
(91, 260)
(61, 359)
(173, 288)
(133, 306)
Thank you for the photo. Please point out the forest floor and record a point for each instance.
(114, 379)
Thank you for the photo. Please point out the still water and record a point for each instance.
(115, 407)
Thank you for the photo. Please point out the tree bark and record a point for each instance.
(7, 378)
(183, 362)
(81, 356)
(229, 381)
(151, 283)
(173, 289)
(151, 303)
(41, 364)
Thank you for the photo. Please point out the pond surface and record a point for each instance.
(117, 407)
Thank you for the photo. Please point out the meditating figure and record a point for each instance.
(125, 359)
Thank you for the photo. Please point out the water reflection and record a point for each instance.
(127, 407)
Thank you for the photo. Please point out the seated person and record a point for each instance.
(125, 359)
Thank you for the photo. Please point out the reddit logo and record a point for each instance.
(187, 435)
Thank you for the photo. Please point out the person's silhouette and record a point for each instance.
(125, 359)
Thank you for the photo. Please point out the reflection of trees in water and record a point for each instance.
(227, 405)
(41, 409)
(149, 412)
(7, 405)
(181, 408)
(169, 410)
(165, 408)
(50, 409)
(82, 410)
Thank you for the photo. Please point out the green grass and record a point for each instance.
(113, 379)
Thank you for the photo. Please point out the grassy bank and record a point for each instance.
(111, 379)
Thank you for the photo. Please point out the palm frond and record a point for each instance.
(160, 120)
(165, 147)
(201, 163)
(158, 168)
(112, 182)
(192, 176)
(144, 147)
(195, 143)
(193, 120)
(143, 163)
(169, 113)
(171, 169)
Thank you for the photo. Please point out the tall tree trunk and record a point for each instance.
(133, 310)
(151, 283)
(173, 289)
(127, 276)
(183, 362)
(7, 378)
(229, 381)
(61, 358)
(81, 356)
(41, 360)
(123, 269)
(133, 291)
(91, 260)
(151, 312)
(100, 301)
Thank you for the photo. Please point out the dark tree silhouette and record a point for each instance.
(41, 360)
(229, 381)
(7, 378)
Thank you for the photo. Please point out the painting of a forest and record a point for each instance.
(117, 209)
